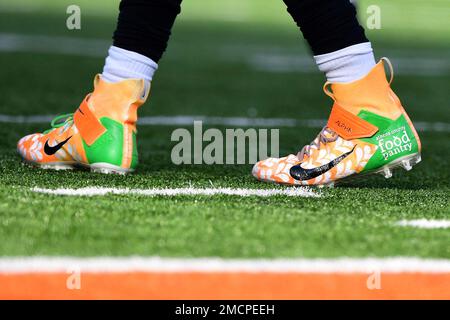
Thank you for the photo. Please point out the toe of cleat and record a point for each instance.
(57, 167)
(49, 166)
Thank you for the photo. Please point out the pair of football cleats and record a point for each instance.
(368, 131)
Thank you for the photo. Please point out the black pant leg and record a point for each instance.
(144, 26)
(327, 25)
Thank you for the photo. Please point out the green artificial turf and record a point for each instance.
(206, 71)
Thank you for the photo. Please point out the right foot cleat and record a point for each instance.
(100, 135)
(368, 132)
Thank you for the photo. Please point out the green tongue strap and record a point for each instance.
(59, 121)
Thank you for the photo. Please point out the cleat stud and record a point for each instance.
(418, 159)
(56, 167)
(105, 168)
(108, 171)
(407, 165)
(387, 172)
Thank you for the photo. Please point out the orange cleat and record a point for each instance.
(368, 132)
(100, 135)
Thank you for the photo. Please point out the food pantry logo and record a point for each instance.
(394, 142)
(234, 145)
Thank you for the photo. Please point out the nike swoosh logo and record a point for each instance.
(52, 150)
(299, 173)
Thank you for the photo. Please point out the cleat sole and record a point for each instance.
(406, 162)
(51, 166)
(106, 168)
(387, 170)
(56, 167)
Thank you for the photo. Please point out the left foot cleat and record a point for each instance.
(368, 132)
(100, 135)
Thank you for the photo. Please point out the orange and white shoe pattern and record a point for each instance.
(319, 154)
(60, 148)
(368, 131)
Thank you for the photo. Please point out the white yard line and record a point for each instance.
(4, 118)
(425, 224)
(224, 121)
(11, 42)
(257, 57)
(20, 265)
(288, 62)
(187, 120)
(241, 192)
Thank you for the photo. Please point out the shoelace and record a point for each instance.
(321, 138)
(58, 123)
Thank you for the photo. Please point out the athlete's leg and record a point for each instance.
(144, 26)
(101, 134)
(336, 38)
(143, 30)
(368, 129)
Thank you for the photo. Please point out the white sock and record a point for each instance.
(348, 64)
(123, 64)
